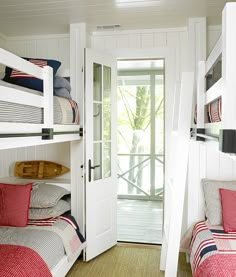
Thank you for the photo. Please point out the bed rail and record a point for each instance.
(21, 132)
(13, 95)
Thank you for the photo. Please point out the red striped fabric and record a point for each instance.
(19, 74)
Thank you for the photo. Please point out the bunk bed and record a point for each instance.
(212, 249)
(17, 131)
(34, 116)
(216, 95)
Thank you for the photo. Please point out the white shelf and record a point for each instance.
(214, 92)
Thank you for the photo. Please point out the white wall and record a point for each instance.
(51, 47)
(58, 152)
(2, 45)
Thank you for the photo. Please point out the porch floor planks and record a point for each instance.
(139, 221)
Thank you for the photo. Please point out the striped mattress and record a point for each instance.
(212, 251)
(65, 111)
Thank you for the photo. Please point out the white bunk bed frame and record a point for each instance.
(28, 134)
(15, 135)
(225, 87)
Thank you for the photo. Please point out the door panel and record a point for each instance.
(101, 174)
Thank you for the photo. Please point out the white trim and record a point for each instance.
(136, 31)
(39, 37)
(214, 28)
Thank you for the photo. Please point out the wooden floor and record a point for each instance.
(139, 221)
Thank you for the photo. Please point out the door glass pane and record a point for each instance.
(97, 160)
(106, 84)
(97, 122)
(97, 82)
(107, 122)
(107, 160)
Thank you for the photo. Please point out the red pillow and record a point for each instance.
(228, 206)
(14, 204)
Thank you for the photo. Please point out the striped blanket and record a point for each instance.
(212, 251)
(67, 229)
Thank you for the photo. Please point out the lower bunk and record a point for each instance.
(212, 251)
(38, 234)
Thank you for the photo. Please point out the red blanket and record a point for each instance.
(21, 261)
(218, 265)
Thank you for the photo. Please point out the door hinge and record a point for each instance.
(81, 131)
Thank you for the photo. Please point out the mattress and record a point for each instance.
(212, 251)
(65, 111)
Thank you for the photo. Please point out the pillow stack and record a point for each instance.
(37, 201)
(48, 201)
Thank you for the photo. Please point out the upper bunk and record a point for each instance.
(216, 87)
(35, 104)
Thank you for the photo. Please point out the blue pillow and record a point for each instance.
(16, 77)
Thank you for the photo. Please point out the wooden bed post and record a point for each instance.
(48, 97)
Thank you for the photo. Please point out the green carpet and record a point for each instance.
(123, 261)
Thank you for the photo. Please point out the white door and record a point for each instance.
(100, 148)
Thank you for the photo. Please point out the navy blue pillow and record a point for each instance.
(16, 77)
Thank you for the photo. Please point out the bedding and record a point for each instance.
(26, 262)
(65, 110)
(14, 204)
(59, 208)
(212, 251)
(45, 195)
(212, 199)
(51, 239)
(20, 78)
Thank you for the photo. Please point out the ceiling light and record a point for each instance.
(136, 3)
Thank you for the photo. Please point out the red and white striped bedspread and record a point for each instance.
(212, 251)
(18, 260)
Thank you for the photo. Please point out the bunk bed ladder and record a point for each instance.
(175, 183)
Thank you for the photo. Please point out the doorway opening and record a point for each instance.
(141, 145)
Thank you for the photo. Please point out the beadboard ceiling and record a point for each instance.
(34, 17)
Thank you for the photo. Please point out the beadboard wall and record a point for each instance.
(205, 161)
(58, 152)
(55, 47)
(2, 45)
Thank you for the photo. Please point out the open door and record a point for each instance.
(100, 152)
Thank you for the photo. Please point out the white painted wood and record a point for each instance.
(201, 95)
(214, 92)
(214, 55)
(228, 66)
(179, 172)
(42, 46)
(48, 97)
(213, 35)
(19, 96)
(147, 40)
(77, 184)
(101, 194)
(16, 62)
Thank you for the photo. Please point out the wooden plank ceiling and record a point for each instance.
(33, 17)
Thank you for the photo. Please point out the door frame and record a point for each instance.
(171, 90)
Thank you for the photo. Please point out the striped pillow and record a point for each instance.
(45, 195)
(20, 78)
